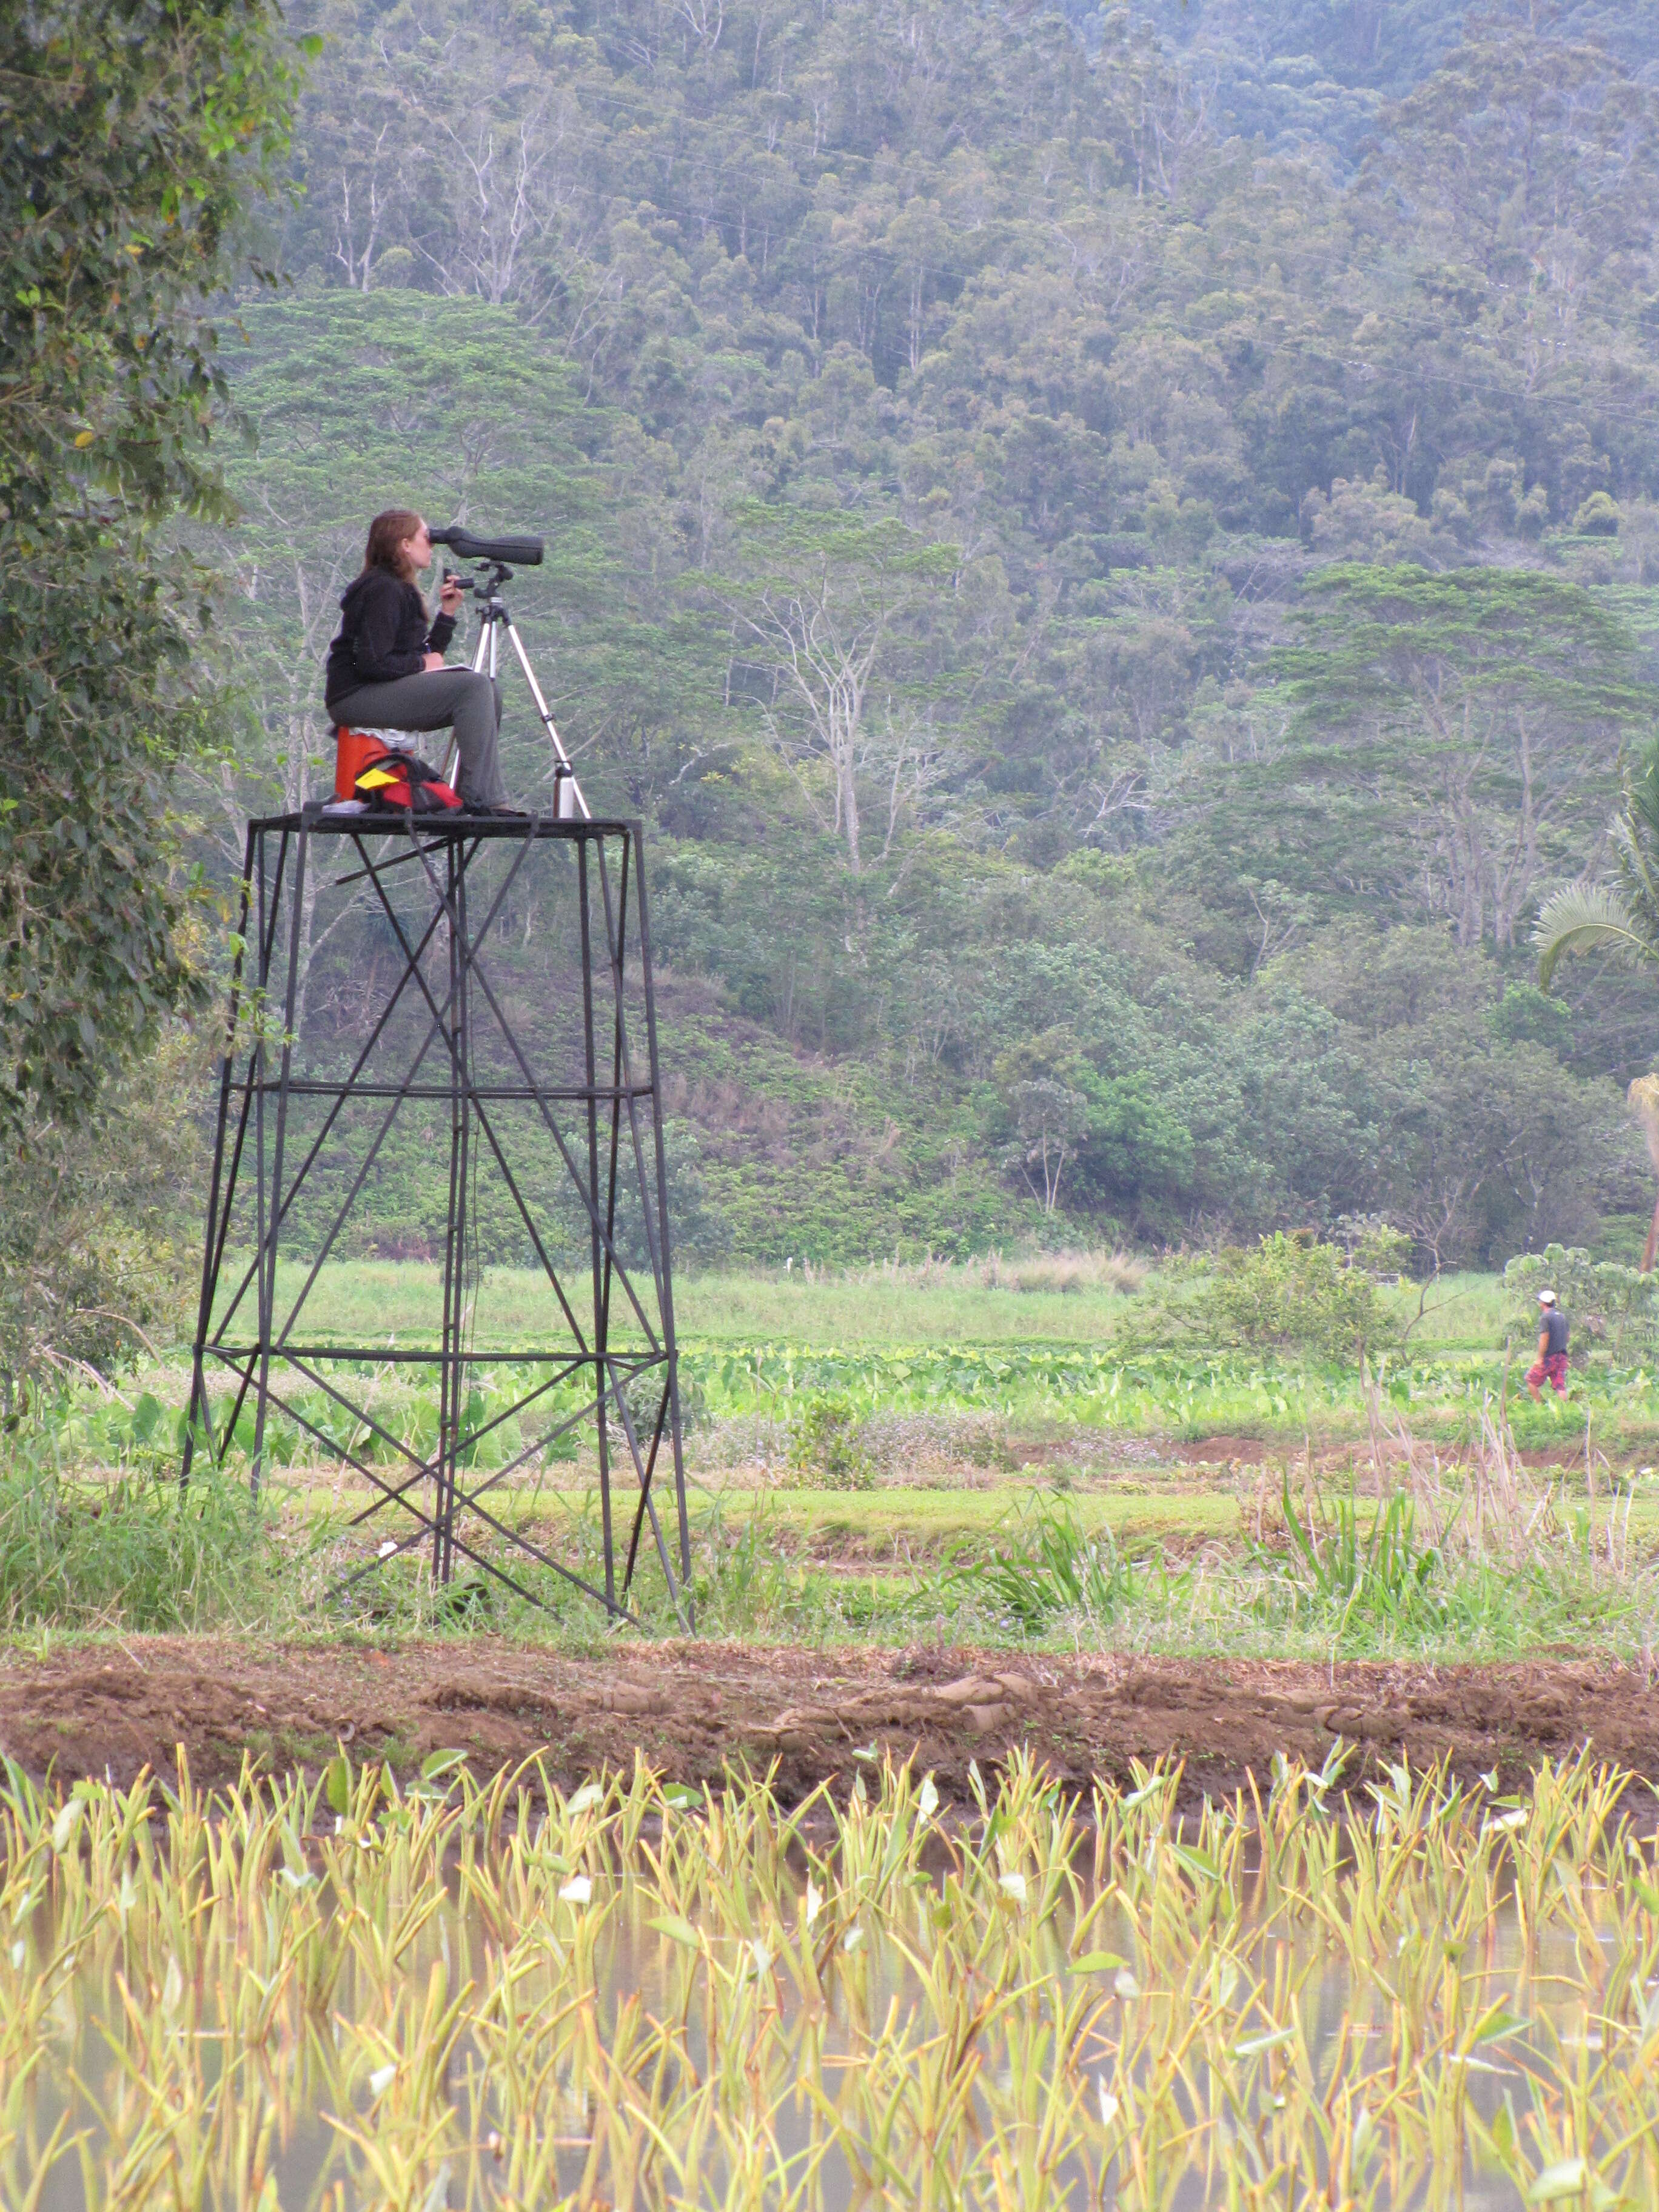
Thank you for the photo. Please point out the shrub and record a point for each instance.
(1598, 516)
(827, 1447)
(91, 1251)
(1286, 1294)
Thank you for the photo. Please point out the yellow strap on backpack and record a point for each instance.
(371, 778)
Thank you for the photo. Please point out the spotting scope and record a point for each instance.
(517, 552)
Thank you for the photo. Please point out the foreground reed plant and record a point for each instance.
(340, 1993)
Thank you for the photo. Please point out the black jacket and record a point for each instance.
(383, 633)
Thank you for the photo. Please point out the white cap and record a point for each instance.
(1547, 1297)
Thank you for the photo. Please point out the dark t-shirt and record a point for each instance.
(1555, 1327)
(383, 635)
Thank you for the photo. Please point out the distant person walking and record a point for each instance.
(1550, 1365)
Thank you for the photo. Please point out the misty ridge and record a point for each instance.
(1115, 550)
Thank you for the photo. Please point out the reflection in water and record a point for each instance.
(467, 1997)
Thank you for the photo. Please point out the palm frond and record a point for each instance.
(1632, 856)
(1582, 918)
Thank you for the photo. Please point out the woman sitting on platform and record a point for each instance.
(385, 669)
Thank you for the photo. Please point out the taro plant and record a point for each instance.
(349, 1988)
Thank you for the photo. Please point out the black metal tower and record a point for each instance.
(495, 1093)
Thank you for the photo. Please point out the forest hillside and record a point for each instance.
(1116, 552)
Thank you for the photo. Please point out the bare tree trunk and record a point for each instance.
(1513, 887)
(825, 660)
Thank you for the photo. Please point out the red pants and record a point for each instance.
(1553, 1371)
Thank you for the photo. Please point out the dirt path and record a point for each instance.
(119, 1707)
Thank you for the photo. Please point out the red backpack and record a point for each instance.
(388, 783)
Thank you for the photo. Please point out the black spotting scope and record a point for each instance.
(517, 552)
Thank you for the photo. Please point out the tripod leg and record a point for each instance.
(486, 645)
(564, 772)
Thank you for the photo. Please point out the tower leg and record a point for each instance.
(666, 1285)
(199, 1412)
(268, 1247)
(600, 1265)
(452, 1405)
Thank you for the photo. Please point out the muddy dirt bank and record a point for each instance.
(115, 1709)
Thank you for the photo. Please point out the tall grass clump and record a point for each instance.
(1368, 1580)
(1046, 1572)
(1069, 1272)
(1472, 1551)
(135, 1552)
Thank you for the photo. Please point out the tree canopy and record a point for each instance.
(1116, 551)
(131, 137)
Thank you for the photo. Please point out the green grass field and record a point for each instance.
(940, 1342)
(371, 1299)
(908, 1452)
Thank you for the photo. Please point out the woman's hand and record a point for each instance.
(450, 595)
(431, 660)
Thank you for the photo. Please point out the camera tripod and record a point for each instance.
(568, 804)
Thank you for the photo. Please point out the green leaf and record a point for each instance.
(1503, 2130)
(1271, 2041)
(1199, 1864)
(677, 1929)
(336, 1784)
(1096, 1962)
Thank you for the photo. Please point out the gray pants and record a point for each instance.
(463, 699)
